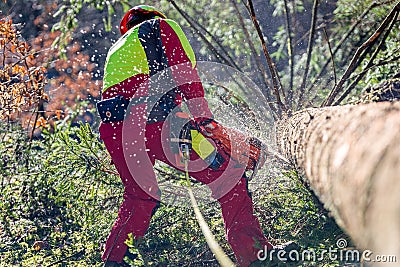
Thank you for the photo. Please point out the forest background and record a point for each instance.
(59, 194)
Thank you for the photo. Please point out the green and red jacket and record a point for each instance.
(145, 50)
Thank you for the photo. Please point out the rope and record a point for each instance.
(220, 255)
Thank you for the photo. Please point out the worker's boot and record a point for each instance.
(131, 258)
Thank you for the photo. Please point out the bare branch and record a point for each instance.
(369, 64)
(341, 42)
(259, 64)
(379, 64)
(290, 50)
(309, 52)
(216, 41)
(360, 54)
(208, 43)
(331, 54)
(271, 65)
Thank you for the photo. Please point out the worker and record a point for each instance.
(135, 139)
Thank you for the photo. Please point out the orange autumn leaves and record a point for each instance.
(21, 81)
(25, 88)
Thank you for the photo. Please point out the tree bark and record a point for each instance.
(351, 158)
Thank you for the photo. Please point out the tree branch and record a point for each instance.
(290, 50)
(259, 64)
(208, 43)
(217, 41)
(271, 65)
(309, 52)
(341, 42)
(359, 55)
(369, 64)
(331, 54)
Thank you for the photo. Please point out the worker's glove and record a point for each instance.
(206, 126)
(247, 150)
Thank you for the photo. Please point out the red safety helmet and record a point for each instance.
(138, 13)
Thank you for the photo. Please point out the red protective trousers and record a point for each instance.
(134, 160)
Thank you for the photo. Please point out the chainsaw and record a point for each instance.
(247, 151)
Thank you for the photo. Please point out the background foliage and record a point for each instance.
(59, 194)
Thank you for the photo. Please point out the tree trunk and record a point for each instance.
(351, 158)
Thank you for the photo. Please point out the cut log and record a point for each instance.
(351, 157)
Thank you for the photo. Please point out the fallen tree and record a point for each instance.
(351, 158)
